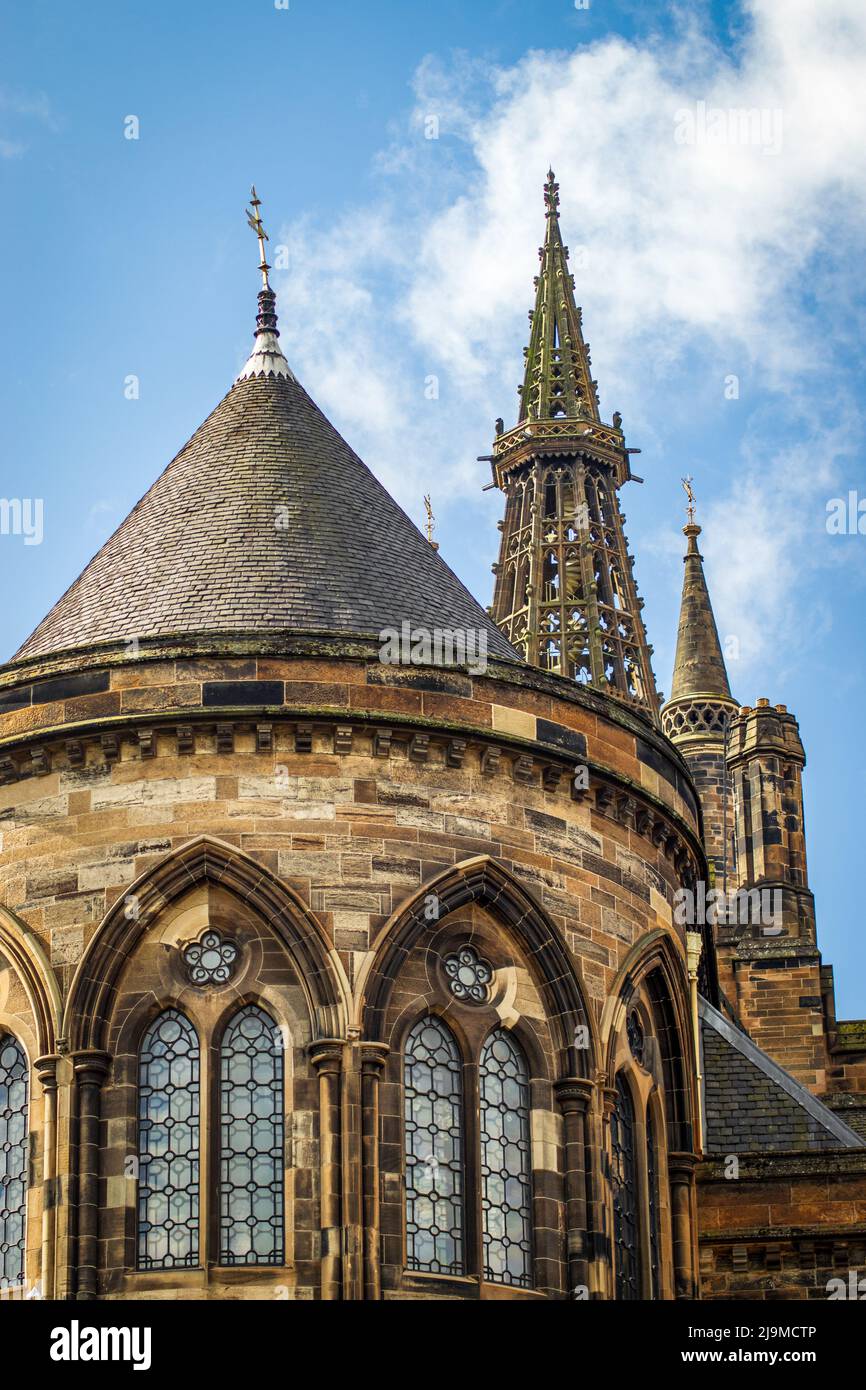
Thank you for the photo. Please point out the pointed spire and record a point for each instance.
(266, 358)
(558, 381)
(699, 667)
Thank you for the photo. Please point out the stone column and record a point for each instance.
(91, 1068)
(373, 1057)
(606, 1256)
(574, 1097)
(46, 1070)
(327, 1060)
(681, 1176)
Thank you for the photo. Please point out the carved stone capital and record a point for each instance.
(573, 1094)
(326, 1056)
(91, 1067)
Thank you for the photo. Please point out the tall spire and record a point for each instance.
(266, 358)
(698, 715)
(699, 668)
(565, 592)
(558, 380)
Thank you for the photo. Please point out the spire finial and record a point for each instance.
(255, 221)
(430, 522)
(551, 194)
(687, 485)
(266, 358)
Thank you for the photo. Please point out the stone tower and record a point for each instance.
(234, 828)
(747, 764)
(565, 594)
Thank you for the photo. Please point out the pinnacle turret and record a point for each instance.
(565, 590)
(558, 379)
(699, 668)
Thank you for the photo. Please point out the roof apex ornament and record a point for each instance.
(255, 221)
(430, 522)
(266, 358)
(687, 485)
(551, 194)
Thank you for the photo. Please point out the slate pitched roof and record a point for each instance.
(752, 1105)
(265, 521)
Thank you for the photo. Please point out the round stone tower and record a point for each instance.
(337, 953)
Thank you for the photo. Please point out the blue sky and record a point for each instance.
(721, 282)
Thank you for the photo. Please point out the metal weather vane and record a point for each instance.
(689, 491)
(255, 221)
(431, 521)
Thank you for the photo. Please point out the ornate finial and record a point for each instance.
(431, 521)
(255, 222)
(687, 484)
(266, 358)
(551, 194)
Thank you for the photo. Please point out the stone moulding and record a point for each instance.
(611, 794)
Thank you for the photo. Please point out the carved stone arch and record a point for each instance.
(485, 882)
(27, 956)
(205, 860)
(656, 964)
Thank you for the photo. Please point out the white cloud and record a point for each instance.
(17, 107)
(690, 250)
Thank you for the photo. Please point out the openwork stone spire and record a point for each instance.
(565, 593)
(558, 380)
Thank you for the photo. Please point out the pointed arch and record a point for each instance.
(22, 947)
(205, 860)
(486, 883)
(657, 964)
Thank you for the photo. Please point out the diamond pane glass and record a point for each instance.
(251, 1141)
(625, 1204)
(506, 1197)
(168, 1144)
(433, 1090)
(13, 1161)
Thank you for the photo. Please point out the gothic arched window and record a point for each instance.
(13, 1161)
(625, 1195)
(506, 1182)
(433, 1091)
(251, 1141)
(168, 1144)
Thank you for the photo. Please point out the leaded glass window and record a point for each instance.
(433, 1098)
(506, 1181)
(652, 1183)
(168, 1144)
(625, 1200)
(13, 1161)
(251, 1141)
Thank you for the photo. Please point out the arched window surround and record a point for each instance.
(471, 1029)
(211, 1026)
(646, 1088)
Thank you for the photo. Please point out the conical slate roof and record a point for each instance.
(265, 521)
(699, 668)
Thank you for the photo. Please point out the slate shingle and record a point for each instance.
(752, 1105)
(265, 521)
